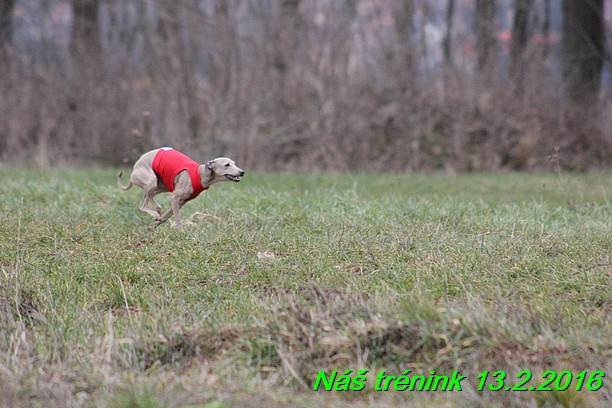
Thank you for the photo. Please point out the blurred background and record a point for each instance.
(396, 85)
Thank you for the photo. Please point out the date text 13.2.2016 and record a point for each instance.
(549, 381)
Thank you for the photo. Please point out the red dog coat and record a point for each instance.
(169, 162)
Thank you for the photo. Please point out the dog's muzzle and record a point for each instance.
(234, 178)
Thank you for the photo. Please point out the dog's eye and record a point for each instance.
(226, 164)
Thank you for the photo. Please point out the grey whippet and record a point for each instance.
(167, 170)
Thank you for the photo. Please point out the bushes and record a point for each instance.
(277, 86)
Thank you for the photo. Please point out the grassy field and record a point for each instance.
(282, 276)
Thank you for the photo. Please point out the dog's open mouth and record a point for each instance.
(232, 177)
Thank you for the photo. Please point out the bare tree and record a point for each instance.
(179, 60)
(88, 99)
(288, 37)
(6, 23)
(485, 34)
(448, 36)
(85, 43)
(583, 41)
(404, 27)
(546, 28)
(519, 40)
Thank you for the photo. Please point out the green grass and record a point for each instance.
(284, 275)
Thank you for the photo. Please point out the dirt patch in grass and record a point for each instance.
(328, 330)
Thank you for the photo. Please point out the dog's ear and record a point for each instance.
(210, 164)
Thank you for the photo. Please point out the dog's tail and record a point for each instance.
(121, 186)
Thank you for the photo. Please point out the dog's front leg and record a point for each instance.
(175, 205)
(160, 220)
(164, 217)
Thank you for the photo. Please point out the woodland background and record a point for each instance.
(396, 85)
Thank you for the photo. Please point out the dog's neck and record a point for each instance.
(207, 176)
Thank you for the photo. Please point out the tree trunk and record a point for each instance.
(485, 34)
(85, 96)
(181, 64)
(404, 28)
(447, 43)
(6, 23)
(291, 28)
(85, 45)
(582, 44)
(519, 40)
(546, 29)
(583, 40)
(6, 28)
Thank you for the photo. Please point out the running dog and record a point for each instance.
(168, 170)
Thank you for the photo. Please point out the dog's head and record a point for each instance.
(224, 168)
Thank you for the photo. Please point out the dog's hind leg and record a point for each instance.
(150, 190)
(144, 208)
(146, 178)
(157, 205)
